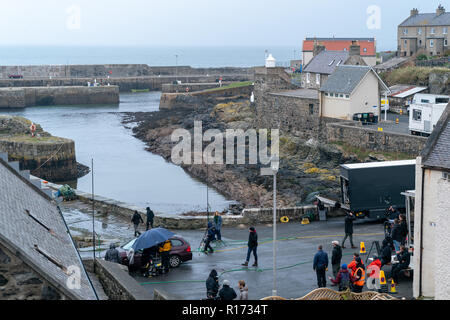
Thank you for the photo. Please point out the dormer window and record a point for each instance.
(339, 63)
(331, 63)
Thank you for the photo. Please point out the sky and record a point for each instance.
(201, 22)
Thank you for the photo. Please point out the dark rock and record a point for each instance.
(4, 258)
(49, 293)
(3, 280)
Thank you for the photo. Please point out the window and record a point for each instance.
(433, 30)
(311, 109)
(419, 31)
(341, 95)
(317, 78)
(365, 49)
(417, 115)
(420, 42)
(406, 43)
(446, 42)
(326, 94)
(308, 76)
(347, 96)
(176, 243)
(345, 49)
(405, 31)
(444, 30)
(446, 176)
(431, 43)
(424, 101)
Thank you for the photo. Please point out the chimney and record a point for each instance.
(414, 12)
(355, 49)
(440, 10)
(318, 48)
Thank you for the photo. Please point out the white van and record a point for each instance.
(425, 111)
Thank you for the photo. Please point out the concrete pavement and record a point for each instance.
(295, 250)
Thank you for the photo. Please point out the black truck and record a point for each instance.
(368, 189)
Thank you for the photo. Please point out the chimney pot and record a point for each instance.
(440, 10)
(414, 12)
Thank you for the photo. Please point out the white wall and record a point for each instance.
(307, 56)
(335, 107)
(436, 235)
(366, 92)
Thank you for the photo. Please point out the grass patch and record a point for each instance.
(412, 75)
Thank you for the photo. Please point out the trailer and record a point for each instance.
(368, 189)
(424, 113)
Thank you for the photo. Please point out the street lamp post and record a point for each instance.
(274, 166)
(176, 67)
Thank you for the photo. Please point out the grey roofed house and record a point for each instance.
(33, 229)
(326, 61)
(427, 19)
(346, 78)
(436, 153)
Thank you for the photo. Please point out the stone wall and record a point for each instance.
(55, 155)
(45, 96)
(117, 283)
(439, 83)
(354, 134)
(113, 70)
(19, 282)
(196, 99)
(181, 88)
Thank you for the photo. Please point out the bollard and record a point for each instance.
(383, 283)
(393, 288)
(362, 248)
(396, 121)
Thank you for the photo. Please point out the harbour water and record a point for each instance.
(123, 169)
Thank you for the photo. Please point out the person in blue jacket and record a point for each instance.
(218, 225)
(321, 266)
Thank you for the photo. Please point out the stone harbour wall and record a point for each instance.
(354, 134)
(46, 96)
(52, 160)
(19, 282)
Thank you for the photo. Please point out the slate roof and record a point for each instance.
(345, 79)
(326, 61)
(427, 19)
(436, 153)
(44, 227)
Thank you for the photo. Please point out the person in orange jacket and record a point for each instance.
(359, 276)
(352, 265)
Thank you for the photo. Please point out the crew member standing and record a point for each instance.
(336, 257)
(218, 225)
(252, 246)
(164, 250)
(320, 265)
(150, 217)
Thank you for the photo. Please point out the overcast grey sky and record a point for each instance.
(201, 22)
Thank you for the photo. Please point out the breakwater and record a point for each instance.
(21, 97)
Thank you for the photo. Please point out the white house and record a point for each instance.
(351, 89)
(432, 215)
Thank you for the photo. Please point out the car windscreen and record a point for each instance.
(128, 245)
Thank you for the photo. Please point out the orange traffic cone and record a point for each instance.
(363, 248)
(393, 288)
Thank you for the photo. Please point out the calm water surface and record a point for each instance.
(123, 169)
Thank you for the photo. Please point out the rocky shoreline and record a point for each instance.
(306, 167)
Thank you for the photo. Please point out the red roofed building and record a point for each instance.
(368, 47)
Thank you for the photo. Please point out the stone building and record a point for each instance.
(38, 259)
(349, 90)
(424, 33)
(367, 47)
(431, 217)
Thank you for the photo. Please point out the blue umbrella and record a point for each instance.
(151, 238)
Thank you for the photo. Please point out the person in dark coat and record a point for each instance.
(404, 259)
(227, 293)
(396, 235)
(320, 265)
(218, 225)
(136, 219)
(386, 253)
(349, 229)
(112, 254)
(210, 236)
(150, 217)
(212, 285)
(252, 246)
(336, 257)
(403, 228)
(392, 213)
